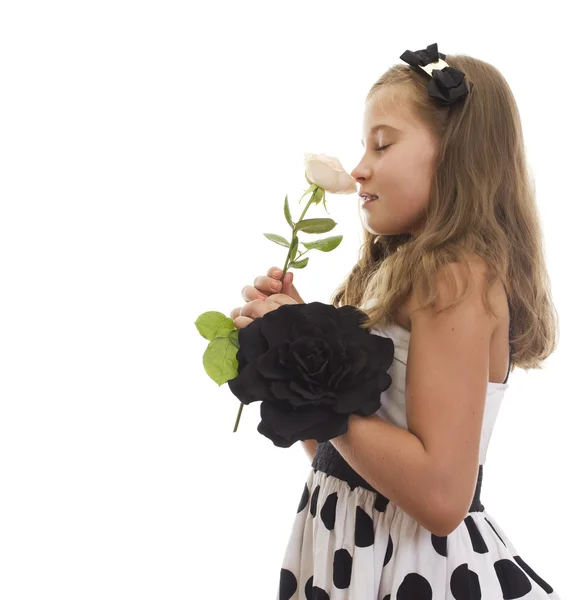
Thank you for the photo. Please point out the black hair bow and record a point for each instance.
(447, 84)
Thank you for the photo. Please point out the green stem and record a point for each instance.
(238, 417)
(300, 255)
(287, 261)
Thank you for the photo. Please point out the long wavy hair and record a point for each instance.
(482, 202)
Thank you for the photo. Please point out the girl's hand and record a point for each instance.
(262, 286)
(243, 316)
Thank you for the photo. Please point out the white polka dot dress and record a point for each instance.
(348, 542)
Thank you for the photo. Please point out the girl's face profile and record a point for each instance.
(397, 165)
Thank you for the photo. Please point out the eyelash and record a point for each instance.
(382, 147)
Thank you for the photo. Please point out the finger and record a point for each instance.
(279, 299)
(236, 312)
(267, 285)
(241, 322)
(252, 293)
(274, 272)
(287, 283)
(290, 289)
(254, 309)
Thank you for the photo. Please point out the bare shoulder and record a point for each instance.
(446, 293)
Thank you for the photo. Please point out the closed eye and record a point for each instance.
(383, 147)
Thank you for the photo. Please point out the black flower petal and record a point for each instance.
(447, 85)
(285, 426)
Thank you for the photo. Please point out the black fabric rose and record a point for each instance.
(311, 365)
(448, 85)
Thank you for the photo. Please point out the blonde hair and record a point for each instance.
(482, 202)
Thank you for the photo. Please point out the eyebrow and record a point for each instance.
(378, 127)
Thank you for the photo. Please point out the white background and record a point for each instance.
(145, 148)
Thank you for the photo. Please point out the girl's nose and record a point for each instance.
(359, 173)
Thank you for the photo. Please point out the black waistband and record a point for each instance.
(330, 461)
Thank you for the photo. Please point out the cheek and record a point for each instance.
(398, 166)
(405, 174)
(414, 174)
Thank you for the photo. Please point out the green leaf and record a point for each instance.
(315, 225)
(287, 213)
(300, 264)
(324, 245)
(294, 248)
(220, 360)
(312, 187)
(278, 239)
(211, 324)
(319, 195)
(234, 337)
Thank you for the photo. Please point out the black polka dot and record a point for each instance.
(342, 572)
(478, 542)
(308, 588)
(389, 552)
(328, 512)
(513, 581)
(494, 529)
(314, 502)
(363, 529)
(380, 503)
(288, 584)
(545, 586)
(414, 587)
(465, 584)
(304, 498)
(313, 592)
(439, 544)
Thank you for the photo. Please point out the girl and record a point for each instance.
(391, 508)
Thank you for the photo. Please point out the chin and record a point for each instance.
(383, 231)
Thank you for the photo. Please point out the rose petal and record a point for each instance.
(327, 172)
(321, 397)
(276, 439)
(248, 386)
(286, 421)
(252, 343)
(283, 391)
(334, 426)
(280, 424)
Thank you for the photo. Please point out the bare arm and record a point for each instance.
(310, 447)
(394, 461)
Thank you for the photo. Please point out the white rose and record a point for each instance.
(327, 173)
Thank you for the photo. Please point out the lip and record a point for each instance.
(365, 196)
(369, 201)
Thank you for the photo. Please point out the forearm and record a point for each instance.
(310, 446)
(394, 461)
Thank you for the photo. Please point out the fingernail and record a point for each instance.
(277, 273)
